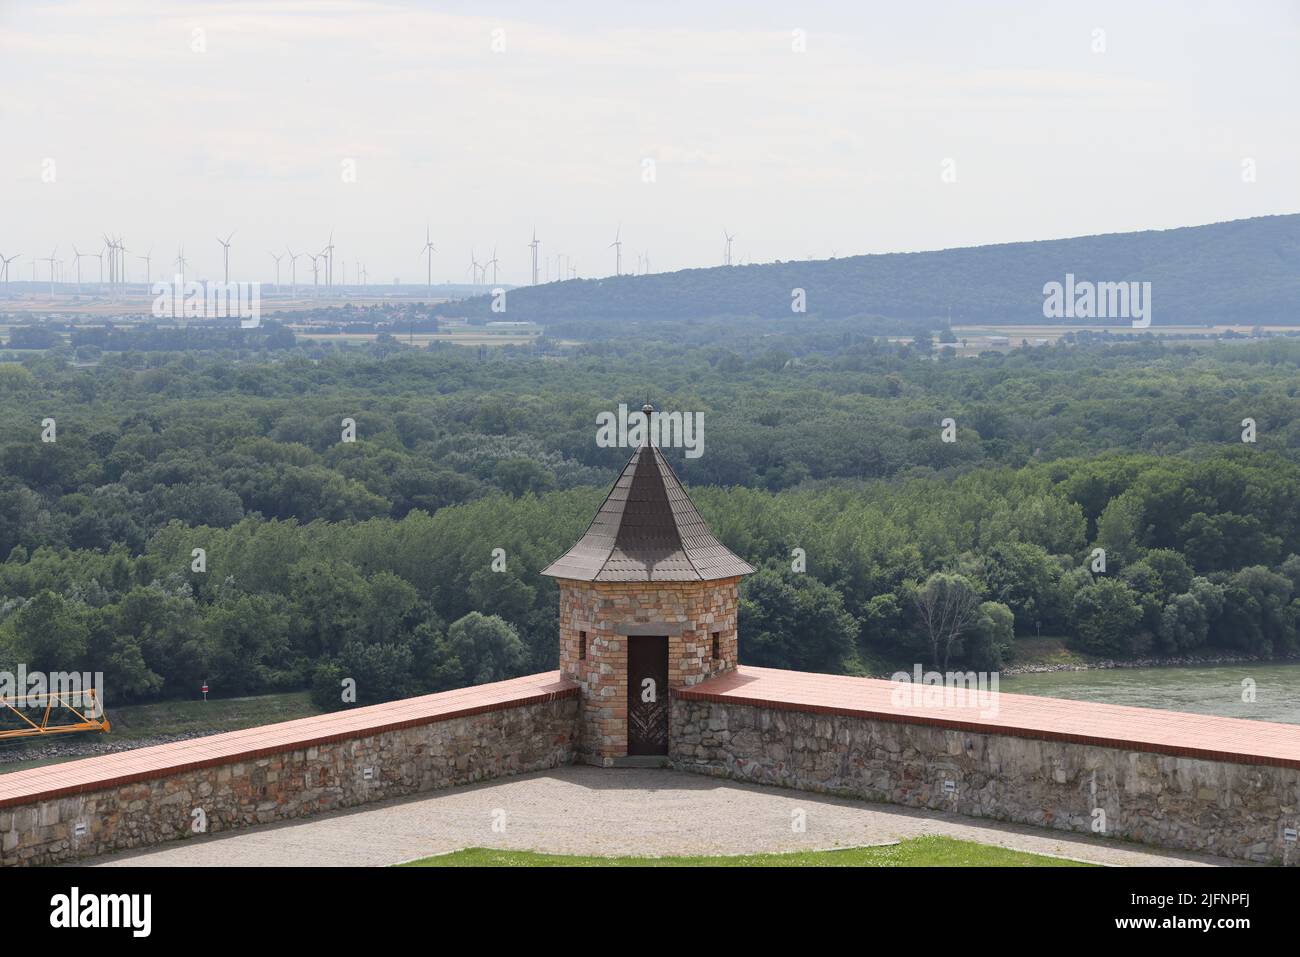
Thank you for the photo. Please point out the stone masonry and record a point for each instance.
(689, 613)
(1234, 810)
(291, 784)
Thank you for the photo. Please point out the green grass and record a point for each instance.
(1047, 650)
(931, 851)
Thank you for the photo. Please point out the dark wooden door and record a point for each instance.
(647, 695)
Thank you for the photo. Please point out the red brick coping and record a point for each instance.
(1018, 715)
(164, 760)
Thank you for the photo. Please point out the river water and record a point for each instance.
(1208, 689)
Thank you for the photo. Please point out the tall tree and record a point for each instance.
(948, 606)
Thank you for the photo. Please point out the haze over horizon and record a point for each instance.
(168, 136)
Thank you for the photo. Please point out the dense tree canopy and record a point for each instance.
(373, 560)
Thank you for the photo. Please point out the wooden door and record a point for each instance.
(647, 695)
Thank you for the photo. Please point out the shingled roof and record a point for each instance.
(648, 531)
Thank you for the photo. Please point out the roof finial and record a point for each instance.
(647, 410)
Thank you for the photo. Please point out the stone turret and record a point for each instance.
(648, 601)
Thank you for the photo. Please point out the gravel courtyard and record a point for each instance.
(612, 812)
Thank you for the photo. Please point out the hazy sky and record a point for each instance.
(840, 148)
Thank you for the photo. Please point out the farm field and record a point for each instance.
(979, 338)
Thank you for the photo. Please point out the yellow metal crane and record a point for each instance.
(71, 711)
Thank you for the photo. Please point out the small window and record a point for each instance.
(717, 646)
(582, 646)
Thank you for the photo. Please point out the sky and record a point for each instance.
(804, 129)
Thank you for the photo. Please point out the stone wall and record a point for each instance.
(1221, 807)
(292, 784)
(608, 612)
(1215, 807)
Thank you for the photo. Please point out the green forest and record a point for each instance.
(824, 465)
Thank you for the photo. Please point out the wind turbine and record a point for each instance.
(100, 256)
(180, 264)
(617, 246)
(293, 270)
(533, 246)
(328, 253)
(148, 266)
(326, 266)
(493, 263)
(116, 265)
(111, 250)
(7, 261)
(76, 252)
(428, 250)
(277, 271)
(473, 268)
(225, 243)
(52, 258)
(729, 238)
(315, 272)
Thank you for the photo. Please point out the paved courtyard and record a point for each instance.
(612, 812)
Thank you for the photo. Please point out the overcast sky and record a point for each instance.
(167, 135)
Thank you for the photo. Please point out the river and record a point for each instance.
(1206, 689)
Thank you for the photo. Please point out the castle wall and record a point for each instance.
(1186, 782)
(135, 799)
(1161, 787)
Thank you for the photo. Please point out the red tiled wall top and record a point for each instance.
(1026, 716)
(110, 770)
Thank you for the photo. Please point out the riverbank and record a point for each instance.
(1051, 653)
(1176, 662)
(158, 722)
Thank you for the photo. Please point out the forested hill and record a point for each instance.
(1244, 271)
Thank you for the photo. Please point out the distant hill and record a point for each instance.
(1244, 271)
